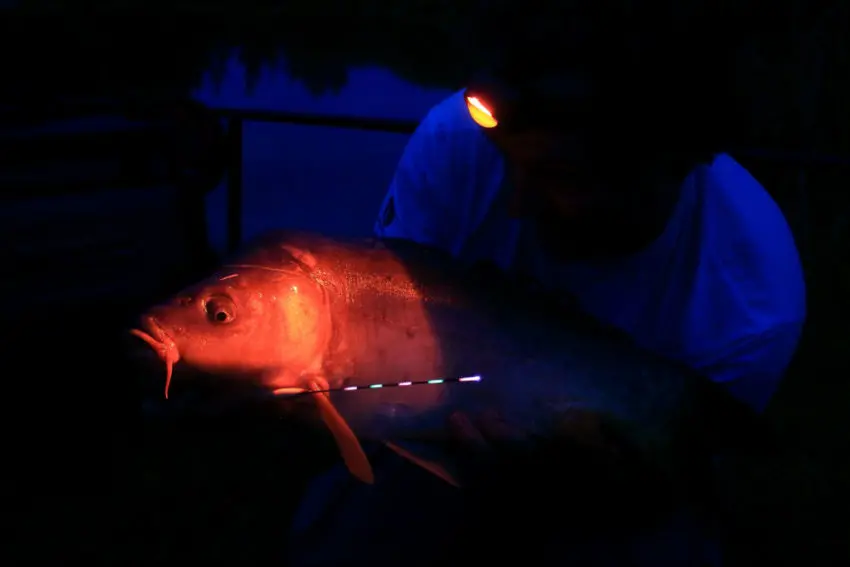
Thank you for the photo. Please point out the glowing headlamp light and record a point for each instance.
(479, 112)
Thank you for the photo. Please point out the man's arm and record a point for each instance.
(752, 370)
(419, 204)
(444, 181)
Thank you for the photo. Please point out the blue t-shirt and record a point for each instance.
(721, 289)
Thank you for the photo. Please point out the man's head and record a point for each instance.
(542, 124)
(593, 149)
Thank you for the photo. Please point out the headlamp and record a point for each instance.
(493, 104)
(480, 112)
(519, 99)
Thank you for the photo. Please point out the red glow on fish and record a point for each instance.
(164, 348)
(168, 371)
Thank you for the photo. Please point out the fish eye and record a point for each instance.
(220, 309)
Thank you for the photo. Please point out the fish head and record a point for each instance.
(245, 322)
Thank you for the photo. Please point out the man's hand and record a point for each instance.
(581, 464)
(485, 432)
(491, 451)
(488, 436)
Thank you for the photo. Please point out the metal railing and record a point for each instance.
(235, 121)
(236, 118)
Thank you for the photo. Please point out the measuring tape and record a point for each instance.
(408, 383)
(284, 391)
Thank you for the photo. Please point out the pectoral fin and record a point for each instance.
(349, 447)
(432, 466)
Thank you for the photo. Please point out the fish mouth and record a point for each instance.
(162, 344)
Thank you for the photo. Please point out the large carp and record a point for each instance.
(299, 313)
(302, 316)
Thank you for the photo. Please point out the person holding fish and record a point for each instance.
(611, 188)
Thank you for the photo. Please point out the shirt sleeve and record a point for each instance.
(752, 370)
(419, 204)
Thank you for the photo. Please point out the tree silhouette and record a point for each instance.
(788, 59)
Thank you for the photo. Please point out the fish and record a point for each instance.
(313, 321)
(298, 313)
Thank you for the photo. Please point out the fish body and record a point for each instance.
(298, 312)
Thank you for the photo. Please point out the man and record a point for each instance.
(616, 204)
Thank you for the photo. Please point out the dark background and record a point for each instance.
(113, 193)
